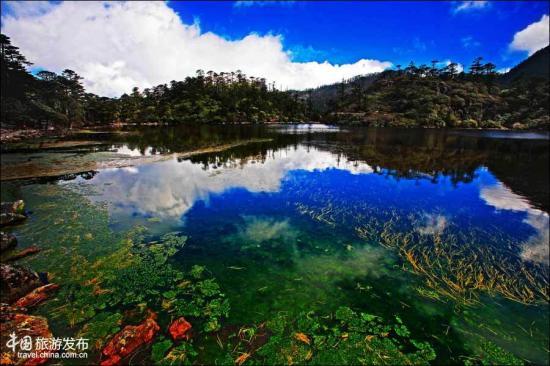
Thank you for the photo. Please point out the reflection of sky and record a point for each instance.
(536, 248)
(170, 188)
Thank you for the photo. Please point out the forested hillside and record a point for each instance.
(48, 99)
(429, 96)
(425, 96)
(538, 65)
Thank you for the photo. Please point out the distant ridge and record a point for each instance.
(536, 65)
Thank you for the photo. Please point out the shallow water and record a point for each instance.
(311, 218)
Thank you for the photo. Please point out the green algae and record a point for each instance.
(344, 337)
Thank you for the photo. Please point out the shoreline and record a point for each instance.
(8, 136)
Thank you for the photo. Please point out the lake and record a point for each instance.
(444, 231)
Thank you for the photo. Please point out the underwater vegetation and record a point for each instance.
(139, 276)
(342, 338)
(456, 262)
(325, 262)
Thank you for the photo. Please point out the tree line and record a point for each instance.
(436, 96)
(424, 95)
(46, 99)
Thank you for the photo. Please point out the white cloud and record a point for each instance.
(118, 45)
(533, 37)
(536, 248)
(459, 66)
(465, 6)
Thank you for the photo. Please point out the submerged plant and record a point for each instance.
(456, 262)
(345, 337)
(137, 277)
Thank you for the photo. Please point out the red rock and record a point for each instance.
(179, 329)
(23, 325)
(128, 340)
(24, 253)
(36, 296)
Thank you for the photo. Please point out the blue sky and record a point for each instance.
(297, 45)
(344, 32)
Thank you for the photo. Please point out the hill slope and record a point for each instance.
(440, 97)
(537, 65)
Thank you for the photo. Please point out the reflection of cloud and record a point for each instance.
(535, 249)
(433, 224)
(168, 189)
(124, 150)
(363, 261)
(306, 128)
(260, 230)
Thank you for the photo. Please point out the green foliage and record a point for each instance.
(423, 97)
(491, 354)
(60, 100)
(160, 349)
(101, 327)
(183, 354)
(139, 275)
(415, 96)
(347, 338)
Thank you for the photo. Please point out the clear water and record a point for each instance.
(296, 223)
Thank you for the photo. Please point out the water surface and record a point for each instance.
(447, 229)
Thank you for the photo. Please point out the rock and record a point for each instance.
(179, 329)
(36, 296)
(7, 312)
(128, 340)
(12, 212)
(7, 241)
(24, 253)
(17, 281)
(23, 325)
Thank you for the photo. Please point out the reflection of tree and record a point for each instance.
(429, 154)
(519, 163)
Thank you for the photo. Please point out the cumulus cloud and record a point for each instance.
(536, 248)
(118, 45)
(533, 37)
(466, 6)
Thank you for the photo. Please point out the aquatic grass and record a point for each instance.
(456, 263)
(458, 270)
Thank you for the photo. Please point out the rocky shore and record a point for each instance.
(21, 289)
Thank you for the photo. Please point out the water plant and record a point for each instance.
(456, 262)
(117, 288)
(340, 338)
